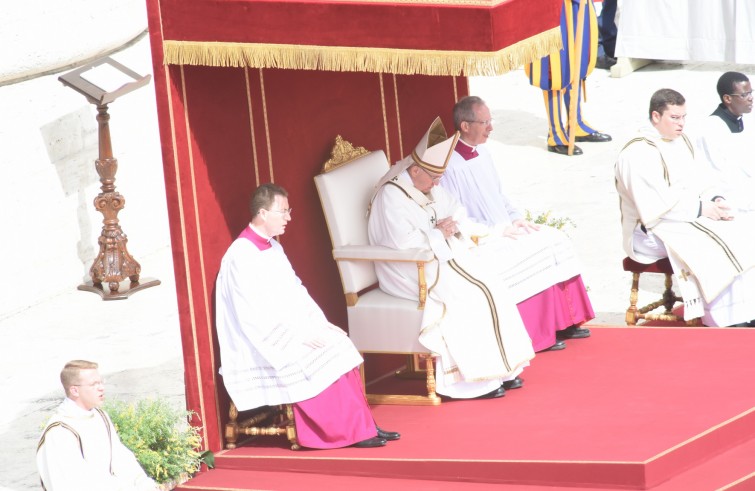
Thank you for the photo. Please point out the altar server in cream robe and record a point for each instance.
(470, 319)
(79, 449)
(671, 205)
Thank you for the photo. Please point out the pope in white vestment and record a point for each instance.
(672, 206)
(470, 319)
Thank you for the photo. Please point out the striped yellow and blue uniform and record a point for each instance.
(553, 73)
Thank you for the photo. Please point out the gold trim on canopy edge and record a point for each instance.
(358, 59)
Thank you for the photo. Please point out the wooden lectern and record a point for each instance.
(102, 82)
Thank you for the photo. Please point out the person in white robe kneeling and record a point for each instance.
(470, 320)
(672, 205)
(79, 449)
(277, 347)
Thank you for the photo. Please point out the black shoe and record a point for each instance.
(371, 443)
(741, 324)
(564, 149)
(556, 347)
(573, 332)
(494, 394)
(388, 435)
(605, 62)
(596, 137)
(516, 383)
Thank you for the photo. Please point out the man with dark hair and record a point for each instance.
(277, 347)
(671, 207)
(80, 449)
(539, 263)
(725, 143)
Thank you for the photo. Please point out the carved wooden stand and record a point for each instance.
(113, 264)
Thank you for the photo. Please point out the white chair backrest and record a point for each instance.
(345, 194)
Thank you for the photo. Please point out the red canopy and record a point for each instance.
(442, 37)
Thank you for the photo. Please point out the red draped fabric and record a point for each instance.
(225, 130)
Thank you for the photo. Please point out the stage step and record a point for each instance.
(733, 470)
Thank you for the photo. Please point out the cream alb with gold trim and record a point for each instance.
(660, 186)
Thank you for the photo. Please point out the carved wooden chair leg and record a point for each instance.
(669, 298)
(430, 369)
(631, 315)
(291, 428)
(232, 428)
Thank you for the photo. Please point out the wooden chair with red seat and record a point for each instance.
(668, 300)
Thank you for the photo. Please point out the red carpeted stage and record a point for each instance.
(629, 408)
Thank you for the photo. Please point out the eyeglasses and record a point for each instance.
(744, 95)
(283, 212)
(484, 123)
(436, 179)
(96, 383)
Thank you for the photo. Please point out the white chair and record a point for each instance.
(378, 322)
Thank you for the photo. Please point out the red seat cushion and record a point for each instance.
(660, 266)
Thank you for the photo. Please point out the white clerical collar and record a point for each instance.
(259, 232)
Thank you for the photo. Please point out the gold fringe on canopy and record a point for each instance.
(353, 59)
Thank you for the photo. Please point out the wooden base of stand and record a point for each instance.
(125, 289)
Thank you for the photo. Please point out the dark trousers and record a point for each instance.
(607, 27)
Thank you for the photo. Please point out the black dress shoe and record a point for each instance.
(573, 332)
(513, 384)
(493, 394)
(596, 137)
(375, 441)
(556, 347)
(605, 62)
(388, 435)
(564, 149)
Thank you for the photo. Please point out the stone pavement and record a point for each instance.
(137, 342)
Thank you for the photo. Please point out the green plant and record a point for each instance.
(545, 218)
(161, 438)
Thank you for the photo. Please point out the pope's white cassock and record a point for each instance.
(80, 451)
(470, 319)
(660, 186)
(730, 154)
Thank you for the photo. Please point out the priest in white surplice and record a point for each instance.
(470, 320)
(538, 264)
(277, 347)
(726, 143)
(671, 204)
(79, 449)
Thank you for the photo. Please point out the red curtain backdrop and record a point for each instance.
(226, 130)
